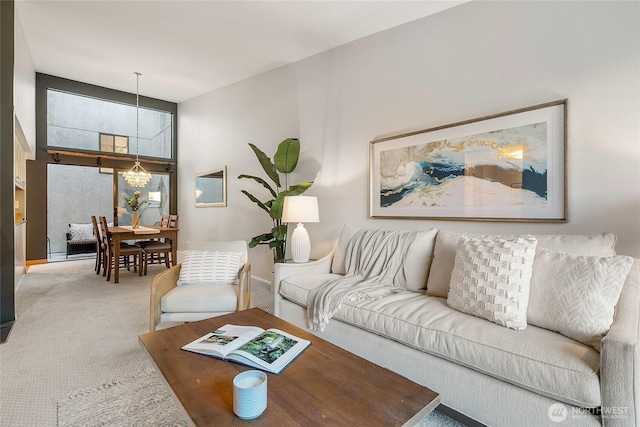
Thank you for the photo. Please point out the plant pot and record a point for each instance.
(135, 219)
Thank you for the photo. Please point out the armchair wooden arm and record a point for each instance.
(162, 284)
(244, 286)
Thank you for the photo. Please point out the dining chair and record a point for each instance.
(126, 252)
(99, 244)
(159, 251)
(164, 222)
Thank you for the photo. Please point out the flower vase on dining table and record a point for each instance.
(135, 219)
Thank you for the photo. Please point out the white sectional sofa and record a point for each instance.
(490, 373)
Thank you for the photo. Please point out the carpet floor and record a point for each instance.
(73, 356)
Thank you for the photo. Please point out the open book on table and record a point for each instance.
(271, 350)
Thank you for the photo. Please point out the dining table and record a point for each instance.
(126, 232)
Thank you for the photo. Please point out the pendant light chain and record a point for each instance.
(137, 113)
(137, 176)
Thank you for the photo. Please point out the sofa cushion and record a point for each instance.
(200, 298)
(81, 232)
(536, 359)
(445, 252)
(417, 263)
(297, 288)
(209, 268)
(491, 279)
(576, 295)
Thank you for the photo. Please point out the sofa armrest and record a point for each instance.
(244, 287)
(620, 357)
(284, 270)
(162, 284)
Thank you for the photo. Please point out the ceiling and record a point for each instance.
(186, 48)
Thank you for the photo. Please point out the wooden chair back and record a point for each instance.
(164, 221)
(104, 235)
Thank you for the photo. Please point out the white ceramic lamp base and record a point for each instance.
(300, 244)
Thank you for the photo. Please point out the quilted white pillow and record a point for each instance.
(209, 268)
(576, 295)
(81, 231)
(491, 279)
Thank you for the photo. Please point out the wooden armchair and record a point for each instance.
(172, 303)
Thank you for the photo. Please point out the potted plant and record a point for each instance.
(134, 204)
(284, 162)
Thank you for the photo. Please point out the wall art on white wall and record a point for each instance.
(504, 167)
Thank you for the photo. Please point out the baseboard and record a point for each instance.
(259, 279)
(5, 328)
(31, 262)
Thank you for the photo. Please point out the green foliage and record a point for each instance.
(284, 162)
(134, 202)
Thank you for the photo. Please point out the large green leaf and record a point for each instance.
(262, 239)
(276, 206)
(286, 158)
(276, 244)
(264, 183)
(280, 232)
(256, 201)
(267, 165)
(296, 190)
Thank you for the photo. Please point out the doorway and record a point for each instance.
(75, 193)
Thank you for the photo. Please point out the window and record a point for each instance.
(75, 122)
(113, 144)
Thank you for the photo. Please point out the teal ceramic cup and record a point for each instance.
(250, 394)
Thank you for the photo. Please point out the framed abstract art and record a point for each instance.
(504, 167)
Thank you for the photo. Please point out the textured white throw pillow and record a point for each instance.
(209, 268)
(491, 279)
(576, 295)
(81, 231)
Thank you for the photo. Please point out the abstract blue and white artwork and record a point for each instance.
(507, 167)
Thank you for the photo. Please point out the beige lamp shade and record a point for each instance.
(300, 209)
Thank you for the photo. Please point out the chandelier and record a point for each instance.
(137, 176)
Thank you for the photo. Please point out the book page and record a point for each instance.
(273, 349)
(224, 340)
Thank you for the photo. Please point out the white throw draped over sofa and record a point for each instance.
(511, 330)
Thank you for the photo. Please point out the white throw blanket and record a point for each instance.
(374, 269)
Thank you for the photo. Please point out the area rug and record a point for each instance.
(138, 400)
(143, 400)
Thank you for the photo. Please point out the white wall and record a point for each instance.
(24, 90)
(474, 60)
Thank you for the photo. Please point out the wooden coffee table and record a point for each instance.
(324, 386)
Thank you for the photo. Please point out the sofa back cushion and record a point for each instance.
(338, 264)
(416, 265)
(445, 253)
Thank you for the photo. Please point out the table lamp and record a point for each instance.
(300, 209)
